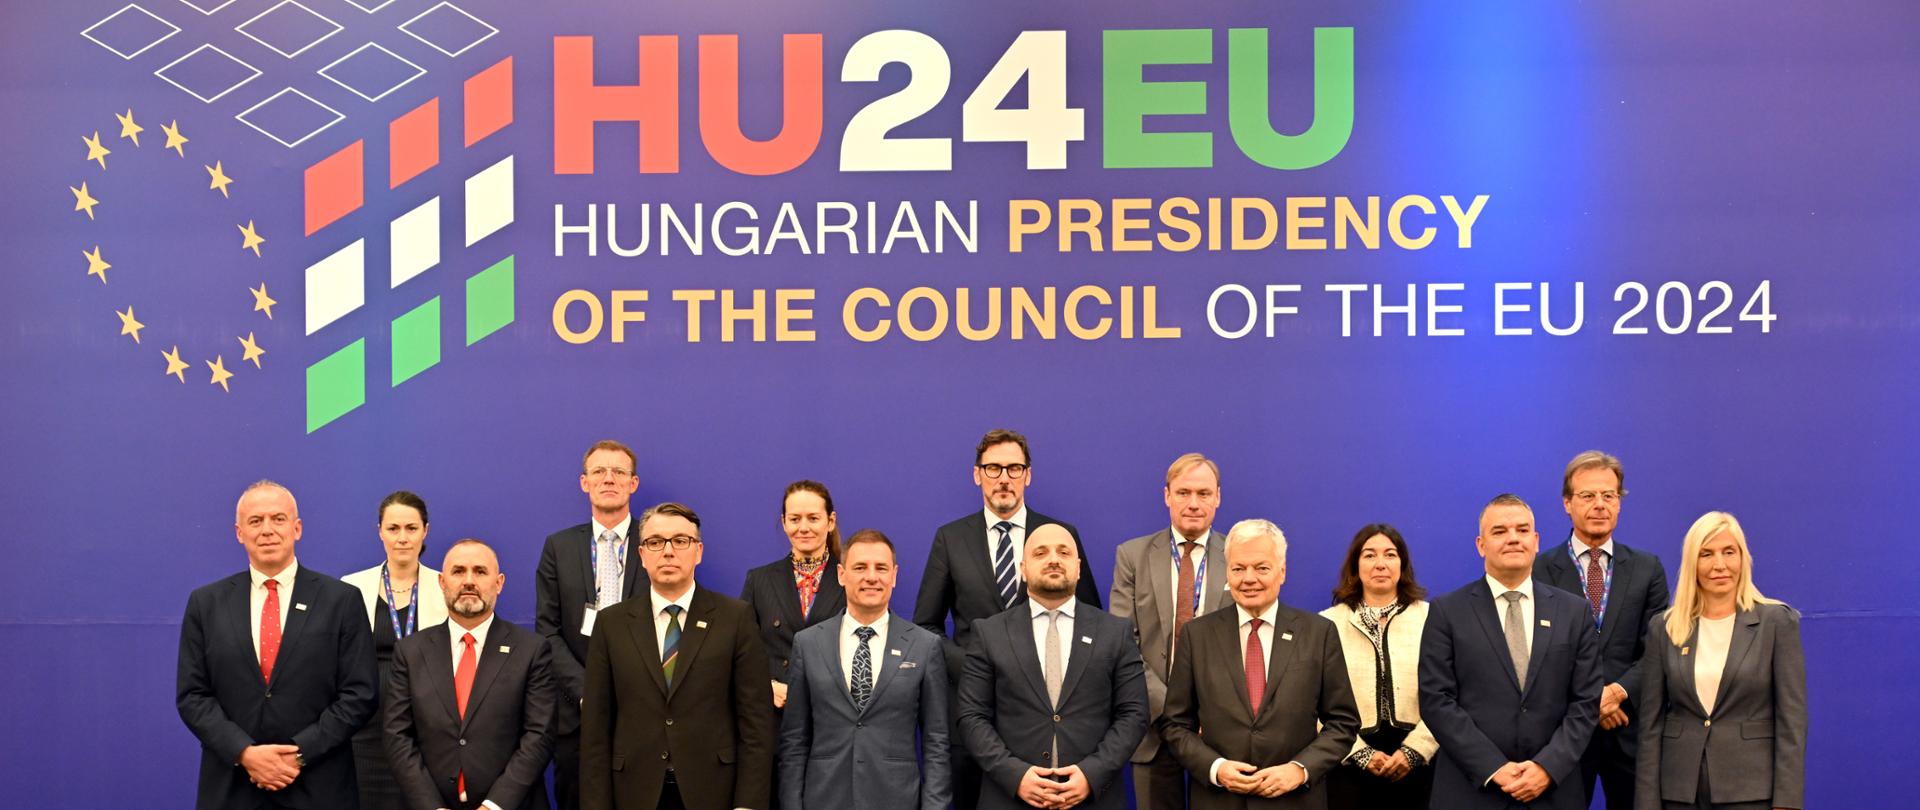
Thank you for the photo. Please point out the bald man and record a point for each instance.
(469, 718)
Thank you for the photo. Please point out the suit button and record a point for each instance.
(669, 721)
(463, 742)
(663, 755)
(776, 622)
(1046, 755)
(1709, 724)
(269, 695)
(1056, 718)
(859, 725)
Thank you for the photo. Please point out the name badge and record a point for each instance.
(1086, 639)
(299, 606)
(1545, 623)
(700, 624)
(505, 649)
(1286, 636)
(894, 653)
(586, 621)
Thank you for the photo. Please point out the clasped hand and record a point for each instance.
(1042, 788)
(1524, 781)
(271, 767)
(1240, 777)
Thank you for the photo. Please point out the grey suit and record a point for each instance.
(835, 756)
(1143, 583)
(1754, 743)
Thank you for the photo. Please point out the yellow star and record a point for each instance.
(95, 151)
(174, 139)
(176, 366)
(129, 129)
(96, 266)
(82, 201)
(261, 303)
(250, 350)
(250, 238)
(129, 326)
(220, 373)
(220, 178)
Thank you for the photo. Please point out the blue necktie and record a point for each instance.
(670, 652)
(862, 669)
(1003, 564)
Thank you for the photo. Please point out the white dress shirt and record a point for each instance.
(1525, 605)
(850, 643)
(660, 616)
(1065, 624)
(1266, 648)
(455, 631)
(1581, 550)
(1018, 537)
(257, 600)
(1710, 658)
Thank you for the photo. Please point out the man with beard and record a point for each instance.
(1054, 698)
(469, 722)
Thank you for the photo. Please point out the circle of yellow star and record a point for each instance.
(129, 129)
(82, 201)
(97, 151)
(220, 178)
(250, 238)
(175, 140)
(176, 366)
(129, 326)
(261, 303)
(220, 373)
(249, 350)
(96, 266)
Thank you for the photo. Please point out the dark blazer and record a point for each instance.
(563, 587)
(959, 580)
(1009, 725)
(502, 744)
(1142, 583)
(1755, 742)
(1473, 702)
(322, 690)
(1307, 714)
(1639, 591)
(775, 601)
(714, 728)
(832, 756)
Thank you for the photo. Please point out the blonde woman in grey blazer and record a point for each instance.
(1725, 677)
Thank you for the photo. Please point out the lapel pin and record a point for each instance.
(299, 606)
(1683, 650)
(1086, 639)
(506, 649)
(895, 653)
(700, 624)
(1286, 636)
(1545, 623)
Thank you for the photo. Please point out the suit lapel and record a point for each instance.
(1214, 593)
(832, 597)
(1743, 637)
(634, 573)
(883, 661)
(1229, 635)
(644, 641)
(1480, 599)
(304, 582)
(239, 611)
(1278, 658)
(1543, 635)
(1680, 661)
(492, 660)
(1624, 569)
(1020, 634)
(790, 612)
(1160, 584)
(982, 561)
(438, 641)
(693, 634)
(1086, 624)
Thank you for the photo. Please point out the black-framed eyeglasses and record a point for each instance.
(680, 542)
(1013, 471)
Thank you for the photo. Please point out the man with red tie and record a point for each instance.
(276, 671)
(469, 713)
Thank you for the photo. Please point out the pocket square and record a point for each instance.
(299, 606)
(909, 665)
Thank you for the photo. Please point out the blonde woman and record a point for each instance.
(1726, 714)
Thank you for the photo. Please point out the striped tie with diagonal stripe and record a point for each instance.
(1003, 564)
(670, 650)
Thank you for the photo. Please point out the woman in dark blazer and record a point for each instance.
(1726, 686)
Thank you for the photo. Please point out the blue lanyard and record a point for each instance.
(593, 559)
(1199, 571)
(413, 601)
(1606, 595)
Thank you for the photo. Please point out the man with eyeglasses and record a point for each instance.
(973, 570)
(1624, 587)
(584, 570)
(679, 706)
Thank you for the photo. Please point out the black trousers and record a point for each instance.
(1609, 761)
(1351, 787)
(566, 771)
(1160, 783)
(670, 795)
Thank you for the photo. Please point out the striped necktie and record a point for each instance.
(1003, 564)
(670, 651)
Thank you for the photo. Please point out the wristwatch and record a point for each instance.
(300, 759)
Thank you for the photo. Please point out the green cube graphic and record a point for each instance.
(416, 341)
(336, 385)
(489, 300)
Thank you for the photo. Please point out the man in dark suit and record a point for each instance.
(584, 570)
(1161, 581)
(276, 671)
(1509, 677)
(469, 713)
(863, 689)
(1259, 709)
(1054, 699)
(679, 711)
(1624, 587)
(973, 569)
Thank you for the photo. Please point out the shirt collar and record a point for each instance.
(1036, 610)
(285, 577)
(479, 633)
(1525, 589)
(619, 529)
(1265, 615)
(1578, 548)
(848, 625)
(1176, 538)
(660, 603)
(1019, 518)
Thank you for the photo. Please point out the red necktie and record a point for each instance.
(1256, 666)
(270, 630)
(1596, 582)
(462, 687)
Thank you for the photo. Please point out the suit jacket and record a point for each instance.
(713, 728)
(1472, 700)
(1639, 591)
(1306, 715)
(1009, 725)
(321, 693)
(1755, 740)
(959, 580)
(563, 587)
(835, 756)
(1144, 598)
(432, 604)
(502, 743)
(775, 601)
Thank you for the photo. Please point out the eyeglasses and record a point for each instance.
(1588, 496)
(618, 473)
(680, 542)
(1013, 471)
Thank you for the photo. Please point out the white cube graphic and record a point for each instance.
(490, 200)
(336, 285)
(415, 239)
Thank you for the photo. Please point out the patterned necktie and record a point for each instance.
(1516, 627)
(610, 564)
(670, 651)
(462, 689)
(1052, 668)
(270, 630)
(1003, 564)
(806, 580)
(1596, 583)
(862, 669)
(1256, 666)
(1183, 605)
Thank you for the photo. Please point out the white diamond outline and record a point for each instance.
(86, 32)
(217, 96)
(206, 12)
(492, 31)
(356, 52)
(356, 4)
(338, 116)
(337, 28)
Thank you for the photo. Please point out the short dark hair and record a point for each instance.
(1349, 591)
(998, 436)
(679, 510)
(615, 446)
(869, 536)
(402, 497)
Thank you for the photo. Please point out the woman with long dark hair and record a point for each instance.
(1379, 610)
